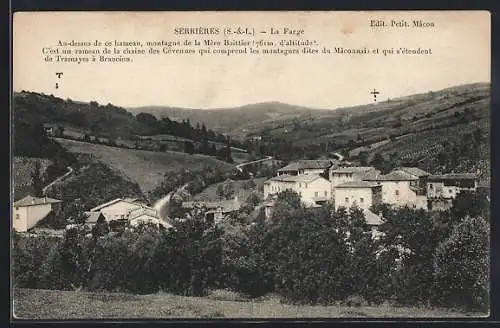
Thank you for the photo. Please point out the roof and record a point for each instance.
(226, 205)
(30, 201)
(296, 178)
(93, 217)
(114, 201)
(353, 169)
(414, 171)
(357, 184)
(395, 175)
(453, 176)
(307, 164)
(143, 210)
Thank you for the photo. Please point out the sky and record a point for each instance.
(460, 44)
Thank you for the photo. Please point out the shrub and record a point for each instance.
(461, 266)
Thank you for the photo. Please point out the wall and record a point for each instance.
(354, 196)
(20, 224)
(36, 213)
(29, 216)
(405, 195)
(439, 190)
(305, 190)
(321, 187)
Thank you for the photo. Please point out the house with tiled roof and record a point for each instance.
(30, 210)
(301, 167)
(351, 173)
(448, 186)
(402, 187)
(313, 189)
(363, 194)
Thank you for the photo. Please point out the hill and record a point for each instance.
(232, 120)
(410, 130)
(432, 110)
(146, 168)
(303, 123)
(109, 121)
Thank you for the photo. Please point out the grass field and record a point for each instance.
(147, 168)
(52, 304)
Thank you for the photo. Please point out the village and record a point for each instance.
(317, 182)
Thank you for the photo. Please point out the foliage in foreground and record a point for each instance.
(319, 256)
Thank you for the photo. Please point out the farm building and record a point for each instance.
(312, 188)
(146, 215)
(403, 187)
(447, 186)
(30, 210)
(215, 211)
(118, 209)
(362, 194)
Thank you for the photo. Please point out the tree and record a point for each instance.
(380, 163)
(363, 158)
(229, 159)
(220, 191)
(412, 236)
(468, 203)
(366, 275)
(229, 190)
(189, 147)
(60, 131)
(36, 176)
(461, 266)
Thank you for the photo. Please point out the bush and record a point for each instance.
(461, 266)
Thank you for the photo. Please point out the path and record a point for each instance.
(240, 166)
(70, 170)
(161, 205)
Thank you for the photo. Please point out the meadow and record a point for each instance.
(146, 168)
(55, 304)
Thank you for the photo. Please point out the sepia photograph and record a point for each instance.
(250, 165)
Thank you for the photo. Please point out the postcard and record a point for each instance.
(250, 165)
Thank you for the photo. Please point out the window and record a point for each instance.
(396, 192)
(300, 184)
(305, 185)
(17, 208)
(326, 193)
(122, 216)
(431, 186)
(18, 217)
(347, 199)
(316, 194)
(450, 191)
(361, 200)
